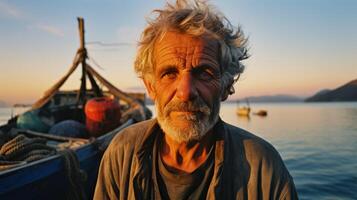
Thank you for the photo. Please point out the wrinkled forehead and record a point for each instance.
(184, 46)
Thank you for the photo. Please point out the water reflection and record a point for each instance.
(244, 117)
(317, 142)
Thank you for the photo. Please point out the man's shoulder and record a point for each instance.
(132, 134)
(258, 161)
(254, 147)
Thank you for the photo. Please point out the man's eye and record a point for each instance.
(169, 75)
(205, 75)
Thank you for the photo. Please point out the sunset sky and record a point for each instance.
(296, 47)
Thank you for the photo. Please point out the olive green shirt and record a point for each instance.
(170, 183)
(245, 166)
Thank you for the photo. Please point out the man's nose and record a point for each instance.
(186, 90)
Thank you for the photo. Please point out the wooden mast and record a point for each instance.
(83, 56)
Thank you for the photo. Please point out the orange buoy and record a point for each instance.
(102, 115)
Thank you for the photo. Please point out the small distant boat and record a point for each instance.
(244, 110)
(262, 113)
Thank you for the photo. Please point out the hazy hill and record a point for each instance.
(273, 98)
(347, 92)
(322, 92)
(3, 104)
(258, 99)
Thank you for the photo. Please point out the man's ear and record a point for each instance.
(225, 94)
(227, 90)
(150, 88)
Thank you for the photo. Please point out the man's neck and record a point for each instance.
(186, 156)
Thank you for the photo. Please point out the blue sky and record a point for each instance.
(297, 47)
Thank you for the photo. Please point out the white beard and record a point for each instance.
(199, 123)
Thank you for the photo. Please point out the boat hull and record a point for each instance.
(48, 179)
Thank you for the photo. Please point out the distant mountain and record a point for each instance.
(273, 98)
(322, 92)
(347, 92)
(3, 104)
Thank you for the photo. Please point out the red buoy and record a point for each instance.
(102, 115)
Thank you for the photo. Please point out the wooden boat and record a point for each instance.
(243, 110)
(70, 171)
(261, 113)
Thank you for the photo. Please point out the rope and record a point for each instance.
(75, 175)
(36, 155)
(10, 164)
(21, 150)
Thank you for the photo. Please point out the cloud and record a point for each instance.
(10, 11)
(50, 29)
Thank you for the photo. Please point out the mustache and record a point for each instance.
(197, 105)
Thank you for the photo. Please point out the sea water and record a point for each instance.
(317, 141)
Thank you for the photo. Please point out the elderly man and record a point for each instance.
(189, 58)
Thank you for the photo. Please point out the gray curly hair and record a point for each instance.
(195, 18)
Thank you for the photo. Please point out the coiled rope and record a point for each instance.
(21, 150)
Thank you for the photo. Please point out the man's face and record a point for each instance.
(186, 86)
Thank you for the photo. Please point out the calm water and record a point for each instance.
(318, 143)
(6, 113)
